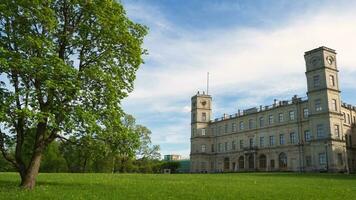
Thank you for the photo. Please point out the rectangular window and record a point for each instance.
(262, 122)
(220, 130)
(307, 135)
(316, 81)
(226, 127)
(281, 139)
(308, 161)
(212, 148)
(219, 147)
(203, 116)
(270, 119)
(251, 142)
(203, 148)
(292, 138)
(241, 144)
(322, 158)
(203, 132)
(271, 140)
(233, 145)
(318, 105)
(226, 146)
(306, 112)
(212, 131)
(233, 127)
(332, 80)
(250, 124)
(344, 118)
(280, 117)
(337, 130)
(334, 104)
(262, 141)
(241, 125)
(193, 132)
(320, 131)
(291, 115)
(348, 118)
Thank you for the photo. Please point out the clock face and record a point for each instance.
(330, 60)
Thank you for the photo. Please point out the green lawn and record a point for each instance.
(183, 186)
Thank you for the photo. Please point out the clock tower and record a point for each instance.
(200, 140)
(324, 103)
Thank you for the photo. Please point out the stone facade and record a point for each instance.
(316, 133)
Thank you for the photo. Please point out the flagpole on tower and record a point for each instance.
(207, 84)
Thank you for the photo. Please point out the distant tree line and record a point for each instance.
(86, 155)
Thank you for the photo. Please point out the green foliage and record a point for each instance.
(67, 64)
(184, 186)
(52, 160)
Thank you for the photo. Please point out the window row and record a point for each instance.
(317, 81)
(262, 122)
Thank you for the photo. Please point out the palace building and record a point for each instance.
(316, 133)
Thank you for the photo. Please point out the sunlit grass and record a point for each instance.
(183, 186)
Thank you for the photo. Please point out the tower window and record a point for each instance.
(316, 81)
(318, 105)
(203, 132)
(203, 116)
(334, 104)
(332, 80)
(203, 148)
(320, 131)
(337, 130)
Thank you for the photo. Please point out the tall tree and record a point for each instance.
(66, 65)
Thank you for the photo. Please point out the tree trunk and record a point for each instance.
(28, 180)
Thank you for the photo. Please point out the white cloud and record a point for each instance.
(259, 63)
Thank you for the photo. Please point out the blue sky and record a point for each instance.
(252, 49)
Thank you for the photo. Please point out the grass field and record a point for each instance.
(183, 186)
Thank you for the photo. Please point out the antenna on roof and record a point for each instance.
(207, 84)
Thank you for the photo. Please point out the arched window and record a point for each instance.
(241, 162)
(263, 161)
(282, 161)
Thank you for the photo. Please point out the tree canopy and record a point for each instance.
(65, 66)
